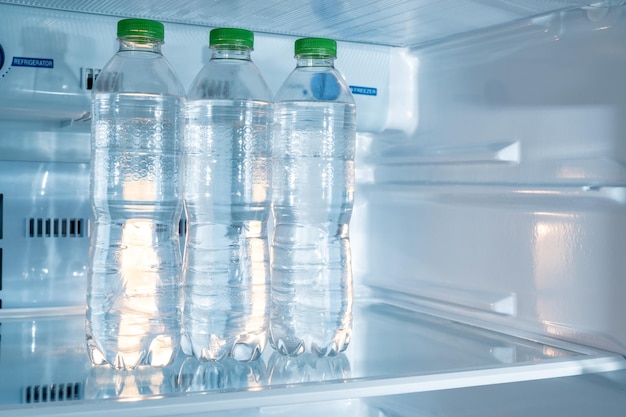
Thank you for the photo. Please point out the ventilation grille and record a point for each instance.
(52, 393)
(47, 227)
(1, 226)
(56, 227)
(182, 227)
(89, 76)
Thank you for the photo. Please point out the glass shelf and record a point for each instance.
(44, 367)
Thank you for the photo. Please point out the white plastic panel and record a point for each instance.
(390, 22)
(394, 351)
(580, 396)
(45, 236)
(45, 126)
(508, 203)
(503, 209)
(69, 46)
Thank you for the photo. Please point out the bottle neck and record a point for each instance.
(142, 44)
(315, 61)
(241, 53)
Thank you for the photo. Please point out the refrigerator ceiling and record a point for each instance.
(390, 22)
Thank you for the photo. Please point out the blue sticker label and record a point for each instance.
(365, 91)
(20, 61)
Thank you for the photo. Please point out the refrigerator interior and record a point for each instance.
(487, 228)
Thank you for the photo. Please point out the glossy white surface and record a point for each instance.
(394, 351)
(507, 204)
(490, 191)
(78, 42)
(391, 22)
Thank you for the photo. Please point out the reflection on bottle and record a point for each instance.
(196, 375)
(106, 382)
(307, 368)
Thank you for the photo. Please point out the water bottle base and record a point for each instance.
(296, 347)
(213, 352)
(219, 349)
(244, 352)
(160, 353)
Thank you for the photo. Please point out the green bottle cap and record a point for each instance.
(231, 37)
(316, 46)
(141, 28)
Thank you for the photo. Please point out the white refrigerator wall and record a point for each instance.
(45, 127)
(507, 204)
(490, 166)
(490, 193)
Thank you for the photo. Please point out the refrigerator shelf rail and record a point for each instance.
(394, 351)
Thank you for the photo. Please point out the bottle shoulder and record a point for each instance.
(230, 79)
(315, 84)
(138, 72)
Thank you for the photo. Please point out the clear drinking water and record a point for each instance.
(306, 368)
(133, 290)
(227, 199)
(229, 374)
(313, 189)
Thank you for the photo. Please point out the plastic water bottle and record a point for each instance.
(136, 192)
(312, 198)
(227, 202)
(227, 374)
(288, 370)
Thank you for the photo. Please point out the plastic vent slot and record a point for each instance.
(89, 76)
(49, 227)
(0, 275)
(53, 392)
(182, 227)
(1, 222)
